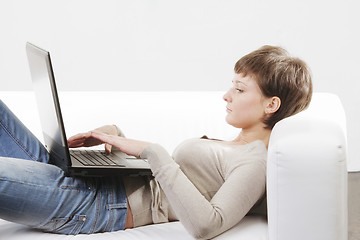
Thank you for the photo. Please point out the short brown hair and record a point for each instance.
(281, 75)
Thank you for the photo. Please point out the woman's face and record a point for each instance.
(245, 103)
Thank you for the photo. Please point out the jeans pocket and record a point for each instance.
(66, 225)
(117, 216)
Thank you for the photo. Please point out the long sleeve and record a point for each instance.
(205, 218)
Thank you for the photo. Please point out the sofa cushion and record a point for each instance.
(250, 228)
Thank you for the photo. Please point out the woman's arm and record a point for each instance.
(129, 146)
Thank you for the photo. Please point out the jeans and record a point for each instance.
(36, 193)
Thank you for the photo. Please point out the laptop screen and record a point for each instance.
(47, 101)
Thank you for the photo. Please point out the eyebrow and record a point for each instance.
(238, 81)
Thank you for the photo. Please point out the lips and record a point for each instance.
(228, 110)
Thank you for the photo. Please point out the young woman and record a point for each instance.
(209, 185)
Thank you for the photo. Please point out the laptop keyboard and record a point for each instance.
(94, 158)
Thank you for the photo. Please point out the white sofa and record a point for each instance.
(306, 174)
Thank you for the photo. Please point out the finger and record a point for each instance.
(75, 142)
(108, 147)
(74, 145)
(78, 140)
(80, 136)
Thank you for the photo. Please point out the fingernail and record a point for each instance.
(108, 148)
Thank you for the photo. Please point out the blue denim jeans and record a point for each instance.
(36, 193)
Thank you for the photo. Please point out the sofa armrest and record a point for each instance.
(307, 178)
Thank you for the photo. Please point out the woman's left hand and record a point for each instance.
(126, 145)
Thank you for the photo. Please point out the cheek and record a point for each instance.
(246, 108)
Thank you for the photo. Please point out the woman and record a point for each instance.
(209, 185)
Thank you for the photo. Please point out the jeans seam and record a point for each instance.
(110, 220)
(97, 212)
(17, 141)
(61, 188)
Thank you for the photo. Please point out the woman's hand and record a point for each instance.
(86, 140)
(128, 146)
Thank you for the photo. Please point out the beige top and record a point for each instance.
(209, 184)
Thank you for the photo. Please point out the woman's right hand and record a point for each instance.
(86, 140)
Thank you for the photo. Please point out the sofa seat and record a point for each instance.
(174, 230)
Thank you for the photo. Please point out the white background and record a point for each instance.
(185, 45)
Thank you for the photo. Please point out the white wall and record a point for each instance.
(188, 45)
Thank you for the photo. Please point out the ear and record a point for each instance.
(272, 105)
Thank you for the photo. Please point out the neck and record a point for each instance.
(247, 136)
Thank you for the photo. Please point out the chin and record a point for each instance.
(232, 123)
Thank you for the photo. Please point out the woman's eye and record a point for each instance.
(239, 90)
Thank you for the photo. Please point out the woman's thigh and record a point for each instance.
(41, 196)
(16, 140)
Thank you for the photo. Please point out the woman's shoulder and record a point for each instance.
(257, 146)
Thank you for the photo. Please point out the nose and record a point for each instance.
(227, 97)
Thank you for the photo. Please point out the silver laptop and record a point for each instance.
(73, 162)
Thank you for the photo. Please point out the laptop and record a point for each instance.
(74, 162)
